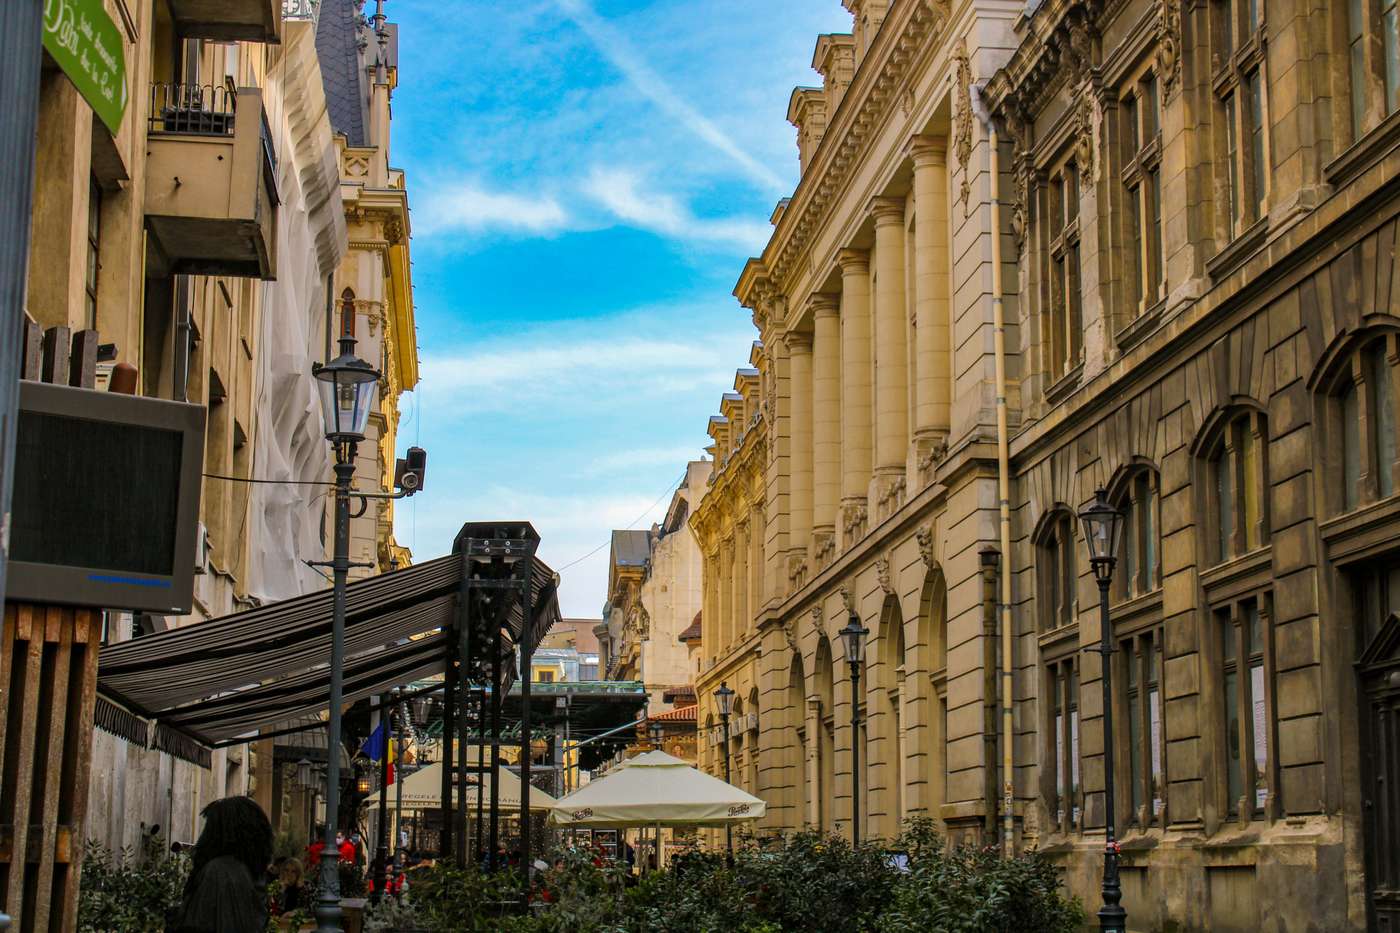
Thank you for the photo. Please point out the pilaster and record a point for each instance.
(857, 429)
(826, 426)
(891, 357)
(800, 496)
(933, 362)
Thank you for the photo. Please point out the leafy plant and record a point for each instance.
(125, 893)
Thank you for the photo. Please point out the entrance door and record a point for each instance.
(1379, 670)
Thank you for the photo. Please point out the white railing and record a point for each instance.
(305, 10)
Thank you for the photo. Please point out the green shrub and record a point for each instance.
(121, 893)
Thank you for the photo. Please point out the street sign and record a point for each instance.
(88, 46)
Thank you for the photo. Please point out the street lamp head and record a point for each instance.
(854, 634)
(364, 784)
(725, 698)
(1103, 527)
(347, 385)
(305, 778)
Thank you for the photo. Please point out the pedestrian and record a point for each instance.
(225, 892)
(313, 851)
(293, 894)
(345, 847)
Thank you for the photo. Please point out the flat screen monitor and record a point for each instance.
(106, 499)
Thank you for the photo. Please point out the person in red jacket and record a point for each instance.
(346, 847)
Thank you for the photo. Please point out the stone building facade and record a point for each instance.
(1195, 206)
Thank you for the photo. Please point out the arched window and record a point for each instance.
(1362, 424)
(826, 736)
(1238, 504)
(797, 715)
(891, 698)
(1056, 572)
(1140, 563)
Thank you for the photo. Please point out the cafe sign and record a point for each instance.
(88, 46)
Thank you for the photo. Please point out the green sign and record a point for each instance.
(88, 46)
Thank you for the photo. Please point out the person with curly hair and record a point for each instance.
(225, 892)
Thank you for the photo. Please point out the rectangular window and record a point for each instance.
(94, 253)
(1232, 157)
(1242, 105)
(1257, 160)
(1247, 714)
(1139, 699)
(1062, 313)
(1064, 770)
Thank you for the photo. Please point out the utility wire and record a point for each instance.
(272, 482)
(669, 489)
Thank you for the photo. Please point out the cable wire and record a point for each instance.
(669, 489)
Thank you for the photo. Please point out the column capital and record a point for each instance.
(887, 210)
(928, 150)
(798, 341)
(853, 260)
(824, 303)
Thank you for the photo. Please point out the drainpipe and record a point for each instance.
(1008, 794)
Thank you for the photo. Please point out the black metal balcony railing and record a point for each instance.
(192, 109)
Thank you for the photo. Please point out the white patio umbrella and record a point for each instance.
(656, 789)
(422, 790)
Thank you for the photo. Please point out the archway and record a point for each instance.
(889, 702)
(932, 665)
(797, 720)
(825, 790)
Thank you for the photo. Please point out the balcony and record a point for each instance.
(228, 20)
(211, 181)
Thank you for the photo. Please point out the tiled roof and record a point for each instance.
(631, 548)
(342, 69)
(692, 631)
(679, 692)
(682, 714)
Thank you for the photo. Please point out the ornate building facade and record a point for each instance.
(1172, 277)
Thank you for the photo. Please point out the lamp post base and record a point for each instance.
(328, 916)
(1113, 919)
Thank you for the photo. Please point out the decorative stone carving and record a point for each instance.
(925, 537)
(1084, 134)
(1019, 206)
(823, 547)
(853, 519)
(790, 632)
(962, 122)
(1169, 47)
(847, 599)
(882, 574)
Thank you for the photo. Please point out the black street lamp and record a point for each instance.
(854, 633)
(1103, 527)
(725, 698)
(347, 387)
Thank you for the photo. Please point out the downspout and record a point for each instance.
(1008, 795)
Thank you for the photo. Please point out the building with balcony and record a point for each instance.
(1169, 274)
(197, 243)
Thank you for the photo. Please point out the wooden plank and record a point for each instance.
(62, 622)
(82, 361)
(77, 764)
(21, 745)
(54, 367)
(32, 351)
(7, 654)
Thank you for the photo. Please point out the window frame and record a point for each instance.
(93, 269)
(1057, 572)
(1138, 494)
(1240, 88)
(1140, 143)
(1140, 651)
(1361, 375)
(1226, 459)
(1370, 39)
(1062, 308)
(1062, 784)
(1229, 629)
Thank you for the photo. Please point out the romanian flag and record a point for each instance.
(373, 749)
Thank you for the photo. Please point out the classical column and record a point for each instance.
(800, 491)
(740, 575)
(856, 429)
(933, 391)
(826, 423)
(756, 533)
(891, 349)
(723, 588)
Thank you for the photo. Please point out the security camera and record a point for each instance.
(409, 472)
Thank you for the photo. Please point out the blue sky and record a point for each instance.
(587, 179)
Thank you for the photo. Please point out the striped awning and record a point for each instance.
(229, 677)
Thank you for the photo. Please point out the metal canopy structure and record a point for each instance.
(463, 616)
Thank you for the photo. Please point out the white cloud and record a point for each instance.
(620, 192)
(464, 206)
(617, 50)
(634, 458)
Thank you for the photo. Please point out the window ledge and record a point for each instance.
(1064, 387)
(1362, 532)
(1138, 607)
(1055, 636)
(1237, 576)
(1140, 327)
(1238, 250)
(1365, 152)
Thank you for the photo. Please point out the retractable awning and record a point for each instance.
(215, 681)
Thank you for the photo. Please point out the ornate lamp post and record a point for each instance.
(346, 385)
(1103, 527)
(724, 697)
(854, 633)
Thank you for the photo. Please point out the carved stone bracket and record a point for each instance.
(823, 548)
(847, 598)
(882, 574)
(1084, 133)
(790, 632)
(1169, 47)
(854, 516)
(925, 536)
